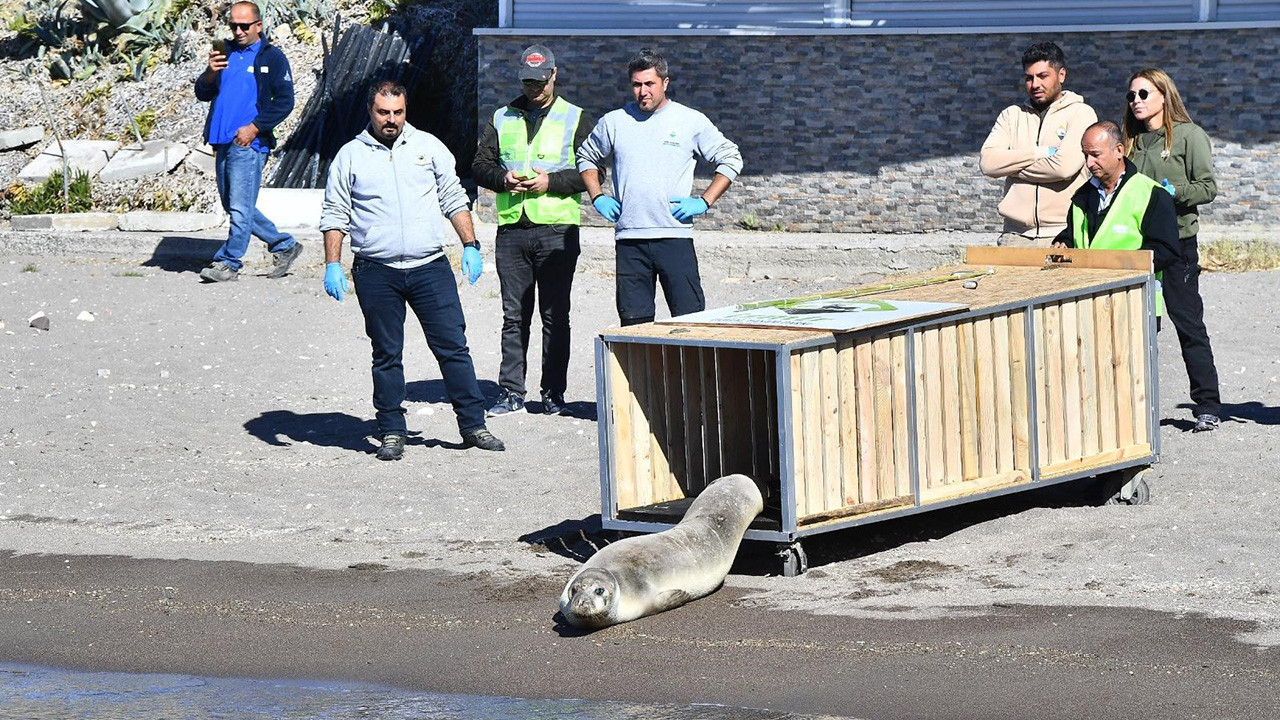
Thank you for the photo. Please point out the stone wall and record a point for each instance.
(880, 133)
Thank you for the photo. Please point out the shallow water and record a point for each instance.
(41, 693)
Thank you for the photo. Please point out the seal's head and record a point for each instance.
(590, 600)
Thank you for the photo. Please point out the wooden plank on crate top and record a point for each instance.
(1012, 285)
(728, 335)
(1066, 257)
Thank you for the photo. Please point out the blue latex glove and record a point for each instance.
(1169, 187)
(472, 264)
(685, 209)
(608, 207)
(335, 282)
(1052, 151)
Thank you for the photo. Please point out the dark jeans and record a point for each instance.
(239, 173)
(542, 258)
(431, 291)
(642, 262)
(1181, 284)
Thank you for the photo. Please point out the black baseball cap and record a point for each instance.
(537, 63)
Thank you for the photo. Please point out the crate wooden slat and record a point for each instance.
(1047, 376)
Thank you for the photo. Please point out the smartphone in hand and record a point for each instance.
(220, 46)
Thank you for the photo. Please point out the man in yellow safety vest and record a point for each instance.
(526, 155)
(1120, 208)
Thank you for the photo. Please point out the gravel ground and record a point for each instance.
(230, 422)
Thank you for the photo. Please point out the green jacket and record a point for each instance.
(1189, 168)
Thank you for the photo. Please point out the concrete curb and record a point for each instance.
(745, 255)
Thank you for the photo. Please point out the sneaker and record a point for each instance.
(553, 404)
(219, 272)
(283, 259)
(508, 402)
(483, 439)
(1206, 422)
(392, 447)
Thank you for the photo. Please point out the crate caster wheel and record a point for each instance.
(793, 559)
(1134, 489)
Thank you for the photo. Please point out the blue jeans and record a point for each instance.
(239, 171)
(431, 291)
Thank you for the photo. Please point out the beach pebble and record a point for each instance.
(39, 321)
(86, 316)
(104, 373)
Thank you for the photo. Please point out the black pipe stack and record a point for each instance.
(336, 112)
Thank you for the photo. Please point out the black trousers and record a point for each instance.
(541, 258)
(1181, 283)
(641, 263)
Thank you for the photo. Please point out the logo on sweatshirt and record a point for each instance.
(1062, 132)
(671, 139)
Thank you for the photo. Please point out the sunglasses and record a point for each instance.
(1143, 94)
(531, 82)
(242, 26)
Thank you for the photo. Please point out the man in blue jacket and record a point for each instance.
(250, 89)
(390, 190)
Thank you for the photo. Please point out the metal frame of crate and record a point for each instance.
(1046, 378)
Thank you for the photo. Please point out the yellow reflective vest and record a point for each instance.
(1121, 228)
(550, 150)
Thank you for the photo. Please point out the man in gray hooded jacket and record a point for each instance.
(390, 190)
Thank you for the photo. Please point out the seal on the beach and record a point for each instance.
(644, 575)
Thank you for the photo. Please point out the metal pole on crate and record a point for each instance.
(603, 424)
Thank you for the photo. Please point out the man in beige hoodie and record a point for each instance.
(1035, 147)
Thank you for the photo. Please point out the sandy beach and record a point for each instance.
(187, 485)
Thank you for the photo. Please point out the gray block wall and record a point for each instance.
(880, 133)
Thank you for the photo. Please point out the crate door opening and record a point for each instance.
(683, 416)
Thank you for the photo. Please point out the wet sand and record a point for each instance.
(478, 635)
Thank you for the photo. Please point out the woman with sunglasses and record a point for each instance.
(1167, 147)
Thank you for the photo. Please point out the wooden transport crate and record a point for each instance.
(1049, 375)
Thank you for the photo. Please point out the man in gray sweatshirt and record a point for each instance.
(654, 143)
(390, 189)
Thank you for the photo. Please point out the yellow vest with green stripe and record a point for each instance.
(1121, 229)
(550, 150)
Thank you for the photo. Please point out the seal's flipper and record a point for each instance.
(669, 599)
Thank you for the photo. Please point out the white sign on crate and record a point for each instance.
(834, 314)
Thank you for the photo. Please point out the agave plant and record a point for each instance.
(116, 13)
